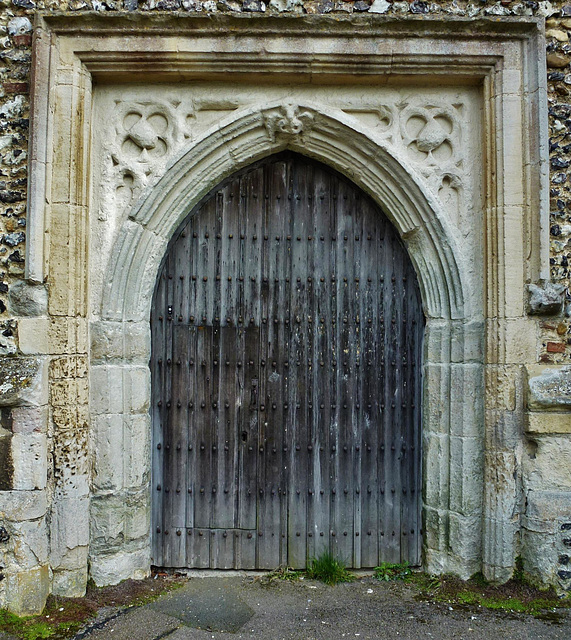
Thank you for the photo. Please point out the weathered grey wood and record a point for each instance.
(286, 360)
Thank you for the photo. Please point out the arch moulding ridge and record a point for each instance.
(334, 139)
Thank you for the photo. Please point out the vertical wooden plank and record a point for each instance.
(298, 485)
(271, 381)
(248, 458)
(158, 342)
(193, 431)
(280, 264)
(319, 515)
(179, 443)
(347, 497)
(366, 522)
(169, 434)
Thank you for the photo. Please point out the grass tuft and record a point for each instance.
(328, 569)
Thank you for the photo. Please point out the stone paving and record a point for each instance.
(244, 607)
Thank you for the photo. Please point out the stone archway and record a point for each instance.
(376, 76)
(452, 326)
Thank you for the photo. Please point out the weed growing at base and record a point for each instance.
(328, 569)
(387, 571)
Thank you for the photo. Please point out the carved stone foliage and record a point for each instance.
(289, 121)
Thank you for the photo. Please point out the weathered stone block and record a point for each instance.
(465, 539)
(436, 405)
(436, 529)
(22, 505)
(70, 527)
(466, 473)
(107, 389)
(107, 522)
(111, 569)
(70, 583)
(138, 389)
(136, 451)
(30, 543)
(435, 474)
(544, 422)
(68, 335)
(546, 298)
(73, 366)
(522, 340)
(69, 391)
(33, 335)
(117, 340)
(27, 591)
(549, 387)
(466, 400)
(137, 516)
(544, 532)
(550, 469)
(107, 440)
(29, 419)
(30, 460)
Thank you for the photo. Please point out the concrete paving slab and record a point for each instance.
(140, 624)
(210, 604)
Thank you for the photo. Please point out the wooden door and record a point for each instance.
(286, 371)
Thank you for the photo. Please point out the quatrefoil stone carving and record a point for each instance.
(429, 134)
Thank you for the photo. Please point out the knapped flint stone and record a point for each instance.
(380, 6)
(19, 26)
(551, 389)
(17, 379)
(564, 575)
(168, 5)
(131, 5)
(419, 7)
(28, 300)
(361, 5)
(546, 299)
(566, 10)
(254, 6)
(558, 163)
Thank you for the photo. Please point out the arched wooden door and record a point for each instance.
(286, 371)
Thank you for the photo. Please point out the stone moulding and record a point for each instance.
(470, 484)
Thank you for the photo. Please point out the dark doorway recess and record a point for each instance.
(286, 362)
